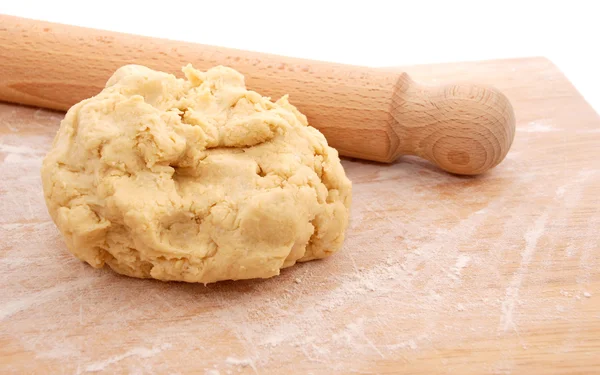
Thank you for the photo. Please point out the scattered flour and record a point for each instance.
(238, 362)
(536, 127)
(135, 352)
(512, 292)
(42, 297)
(462, 261)
(429, 261)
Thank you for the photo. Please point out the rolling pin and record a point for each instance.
(365, 113)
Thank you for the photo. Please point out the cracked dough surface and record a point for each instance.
(194, 179)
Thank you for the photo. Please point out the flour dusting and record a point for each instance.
(238, 362)
(536, 127)
(462, 261)
(432, 264)
(512, 292)
(135, 352)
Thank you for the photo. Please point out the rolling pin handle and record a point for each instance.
(463, 128)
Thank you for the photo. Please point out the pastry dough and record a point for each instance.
(194, 179)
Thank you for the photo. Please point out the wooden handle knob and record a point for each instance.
(463, 128)
(363, 112)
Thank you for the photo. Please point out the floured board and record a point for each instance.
(445, 274)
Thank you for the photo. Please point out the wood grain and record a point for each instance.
(363, 112)
(496, 274)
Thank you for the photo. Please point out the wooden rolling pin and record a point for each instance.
(364, 112)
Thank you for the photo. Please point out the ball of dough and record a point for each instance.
(195, 179)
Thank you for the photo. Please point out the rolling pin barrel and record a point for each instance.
(363, 112)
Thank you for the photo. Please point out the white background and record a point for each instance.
(373, 33)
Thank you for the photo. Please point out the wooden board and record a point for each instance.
(439, 274)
